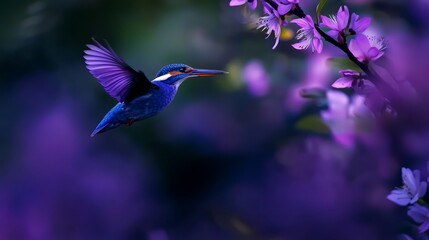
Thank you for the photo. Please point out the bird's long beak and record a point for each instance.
(205, 72)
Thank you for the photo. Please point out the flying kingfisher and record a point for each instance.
(138, 97)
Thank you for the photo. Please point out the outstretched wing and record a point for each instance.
(118, 79)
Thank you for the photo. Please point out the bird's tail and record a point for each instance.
(104, 126)
(98, 129)
(109, 122)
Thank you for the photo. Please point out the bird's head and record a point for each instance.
(175, 74)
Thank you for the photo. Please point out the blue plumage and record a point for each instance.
(169, 68)
(138, 97)
(140, 108)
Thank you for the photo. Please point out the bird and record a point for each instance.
(138, 97)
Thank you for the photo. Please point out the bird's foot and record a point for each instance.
(130, 121)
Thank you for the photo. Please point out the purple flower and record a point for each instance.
(252, 3)
(256, 78)
(308, 35)
(374, 100)
(349, 79)
(366, 50)
(358, 26)
(286, 5)
(412, 189)
(420, 214)
(356, 80)
(272, 23)
(337, 24)
(342, 116)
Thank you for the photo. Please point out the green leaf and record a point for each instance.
(319, 9)
(312, 123)
(342, 64)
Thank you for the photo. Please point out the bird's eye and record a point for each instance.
(182, 69)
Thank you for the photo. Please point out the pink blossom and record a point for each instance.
(338, 23)
(367, 50)
(308, 35)
(272, 22)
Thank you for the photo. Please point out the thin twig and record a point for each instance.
(345, 49)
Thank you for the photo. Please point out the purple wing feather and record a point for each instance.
(117, 78)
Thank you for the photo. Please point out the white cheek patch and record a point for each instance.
(163, 77)
(177, 83)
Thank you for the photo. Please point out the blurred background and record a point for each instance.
(241, 156)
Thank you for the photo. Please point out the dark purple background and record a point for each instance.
(225, 161)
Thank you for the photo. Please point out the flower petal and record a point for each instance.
(234, 3)
(343, 82)
(374, 53)
(418, 213)
(309, 21)
(359, 25)
(349, 72)
(409, 179)
(342, 17)
(400, 197)
(359, 47)
(301, 45)
(277, 41)
(253, 4)
(424, 226)
(284, 8)
(300, 22)
(327, 22)
(317, 44)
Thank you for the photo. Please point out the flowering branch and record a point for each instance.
(297, 11)
(343, 46)
(360, 50)
(387, 90)
(372, 76)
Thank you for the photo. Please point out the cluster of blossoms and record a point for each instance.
(361, 49)
(340, 26)
(274, 19)
(409, 195)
